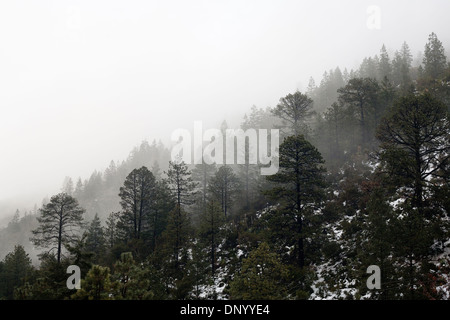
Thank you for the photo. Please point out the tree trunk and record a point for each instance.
(60, 235)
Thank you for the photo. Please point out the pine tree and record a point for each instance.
(137, 198)
(415, 154)
(369, 68)
(262, 277)
(335, 116)
(176, 243)
(14, 271)
(180, 183)
(249, 174)
(111, 233)
(414, 143)
(176, 238)
(133, 279)
(95, 239)
(212, 221)
(401, 66)
(311, 89)
(97, 285)
(67, 186)
(60, 221)
(434, 59)
(360, 95)
(384, 67)
(202, 174)
(177, 233)
(377, 237)
(200, 272)
(294, 110)
(299, 186)
(224, 186)
(159, 214)
(78, 192)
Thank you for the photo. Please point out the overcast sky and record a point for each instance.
(83, 82)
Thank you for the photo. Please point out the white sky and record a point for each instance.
(83, 82)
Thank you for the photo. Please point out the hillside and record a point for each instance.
(362, 182)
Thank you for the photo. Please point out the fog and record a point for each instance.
(83, 82)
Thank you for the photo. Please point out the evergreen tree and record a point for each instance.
(262, 277)
(415, 154)
(335, 116)
(299, 184)
(176, 239)
(175, 247)
(224, 186)
(200, 273)
(95, 239)
(249, 174)
(67, 186)
(160, 211)
(134, 284)
(377, 237)
(401, 66)
(326, 93)
(178, 228)
(384, 67)
(111, 233)
(212, 221)
(360, 95)
(294, 110)
(434, 59)
(15, 270)
(202, 174)
(60, 221)
(137, 198)
(97, 285)
(369, 68)
(311, 89)
(78, 192)
(180, 183)
(79, 255)
(414, 144)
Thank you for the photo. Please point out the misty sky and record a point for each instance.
(83, 82)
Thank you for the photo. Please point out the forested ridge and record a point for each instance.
(363, 180)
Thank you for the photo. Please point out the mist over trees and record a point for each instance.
(363, 180)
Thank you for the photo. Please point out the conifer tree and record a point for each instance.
(133, 282)
(15, 270)
(414, 143)
(178, 229)
(294, 110)
(360, 95)
(262, 276)
(335, 116)
(95, 239)
(415, 155)
(180, 183)
(97, 285)
(434, 60)
(384, 67)
(137, 195)
(401, 66)
(299, 186)
(224, 186)
(212, 220)
(202, 174)
(60, 221)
